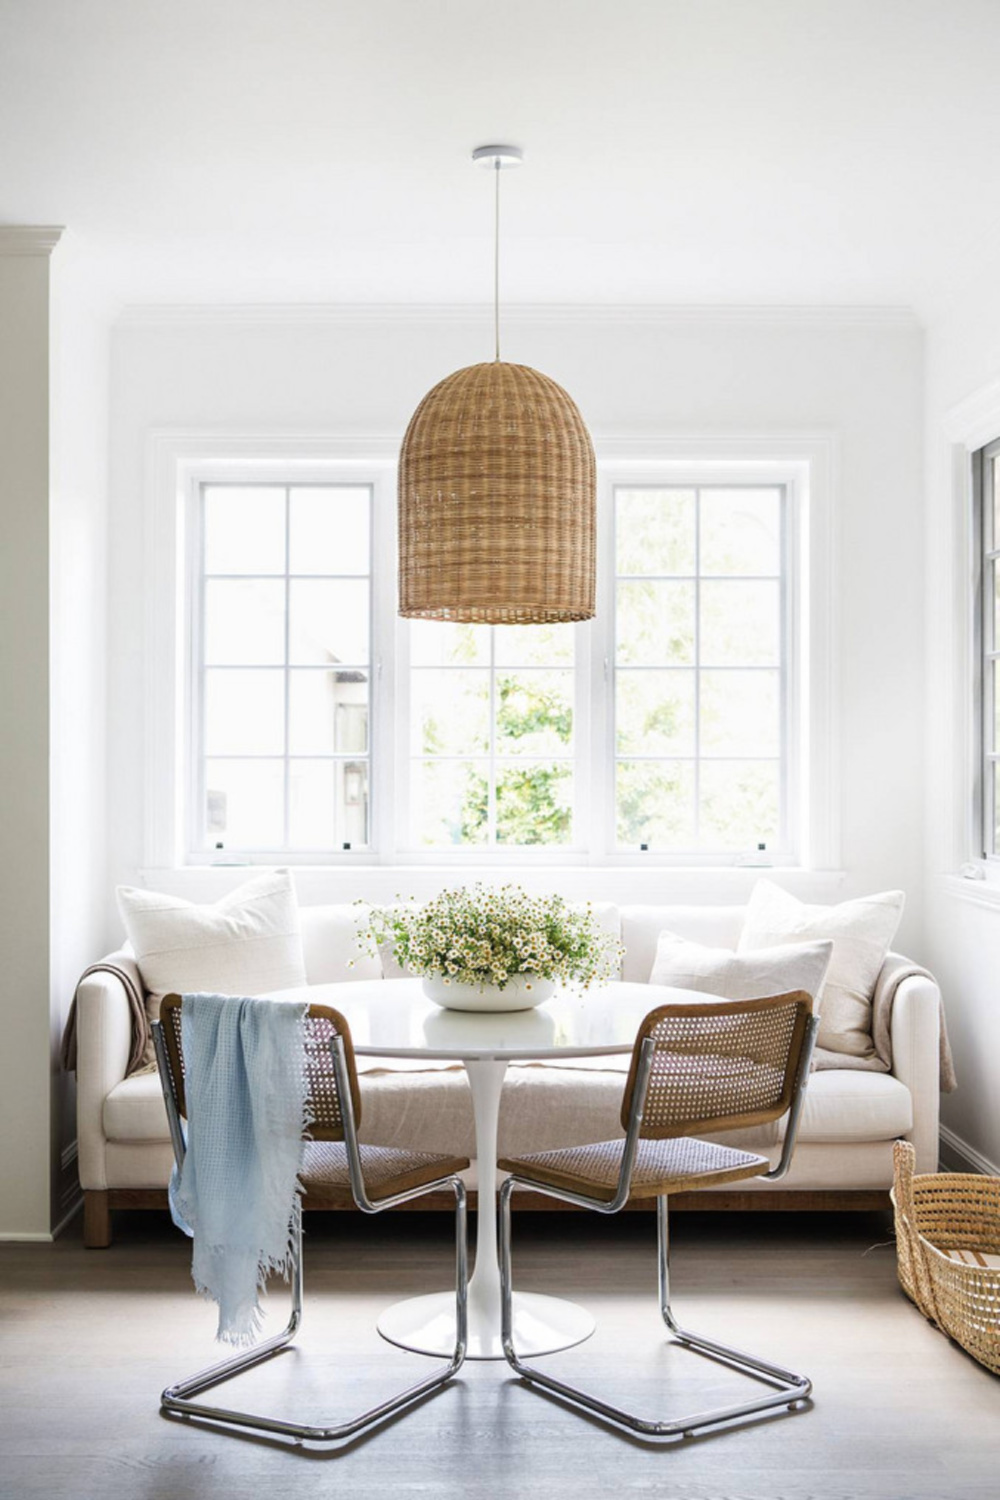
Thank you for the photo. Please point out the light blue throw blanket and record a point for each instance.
(238, 1193)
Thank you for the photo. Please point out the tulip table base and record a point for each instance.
(541, 1324)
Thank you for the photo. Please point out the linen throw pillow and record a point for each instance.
(735, 976)
(245, 944)
(861, 932)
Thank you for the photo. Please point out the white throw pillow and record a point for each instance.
(735, 976)
(246, 944)
(861, 931)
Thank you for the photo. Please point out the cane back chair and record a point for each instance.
(698, 1067)
(337, 1171)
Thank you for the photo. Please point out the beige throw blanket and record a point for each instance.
(893, 972)
(124, 968)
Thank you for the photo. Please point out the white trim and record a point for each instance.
(177, 459)
(968, 425)
(588, 314)
(42, 1237)
(975, 420)
(972, 1160)
(977, 891)
(29, 239)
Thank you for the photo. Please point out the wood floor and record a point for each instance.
(88, 1338)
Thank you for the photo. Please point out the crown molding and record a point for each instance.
(29, 239)
(583, 315)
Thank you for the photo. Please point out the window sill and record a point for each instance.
(628, 885)
(985, 892)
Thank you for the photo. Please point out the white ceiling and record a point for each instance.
(677, 151)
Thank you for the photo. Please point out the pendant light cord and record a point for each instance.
(496, 257)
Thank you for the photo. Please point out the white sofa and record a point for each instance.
(843, 1159)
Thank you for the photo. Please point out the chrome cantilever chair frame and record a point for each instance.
(789, 1390)
(177, 1398)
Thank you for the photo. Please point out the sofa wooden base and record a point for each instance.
(98, 1206)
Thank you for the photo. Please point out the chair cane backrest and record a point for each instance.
(322, 1025)
(723, 1065)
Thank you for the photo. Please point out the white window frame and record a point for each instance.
(804, 466)
(986, 641)
(955, 730)
(702, 477)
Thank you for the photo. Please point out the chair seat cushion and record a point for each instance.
(326, 1179)
(678, 1165)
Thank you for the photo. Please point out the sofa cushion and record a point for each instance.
(543, 1108)
(845, 1105)
(330, 944)
(717, 926)
(248, 943)
(861, 930)
(735, 976)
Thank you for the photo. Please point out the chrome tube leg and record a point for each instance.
(790, 1390)
(177, 1398)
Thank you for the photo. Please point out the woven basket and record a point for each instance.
(941, 1211)
(497, 502)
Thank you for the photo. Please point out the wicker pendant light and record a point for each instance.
(497, 494)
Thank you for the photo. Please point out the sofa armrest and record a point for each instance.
(103, 1041)
(916, 1061)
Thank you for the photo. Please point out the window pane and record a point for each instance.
(534, 713)
(534, 646)
(740, 624)
(327, 712)
(994, 675)
(740, 531)
(655, 713)
(244, 622)
(328, 804)
(450, 803)
(446, 643)
(535, 803)
(328, 621)
(995, 480)
(655, 804)
(655, 625)
(244, 529)
(995, 774)
(993, 572)
(244, 712)
(329, 529)
(244, 802)
(740, 713)
(449, 712)
(739, 804)
(655, 531)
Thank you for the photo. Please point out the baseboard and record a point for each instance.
(958, 1156)
(39, 1237)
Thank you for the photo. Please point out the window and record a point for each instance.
(293, 713)
(987, 488)
(701, 668)
(491, 735)
(282, 637)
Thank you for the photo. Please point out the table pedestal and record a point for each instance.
(541, 1324)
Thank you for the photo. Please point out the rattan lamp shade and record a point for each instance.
(497, 502)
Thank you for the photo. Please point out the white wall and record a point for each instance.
(855, 375)
(963, 929)
(24, 734)
(80, 348)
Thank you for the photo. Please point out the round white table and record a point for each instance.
(393, 1018)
